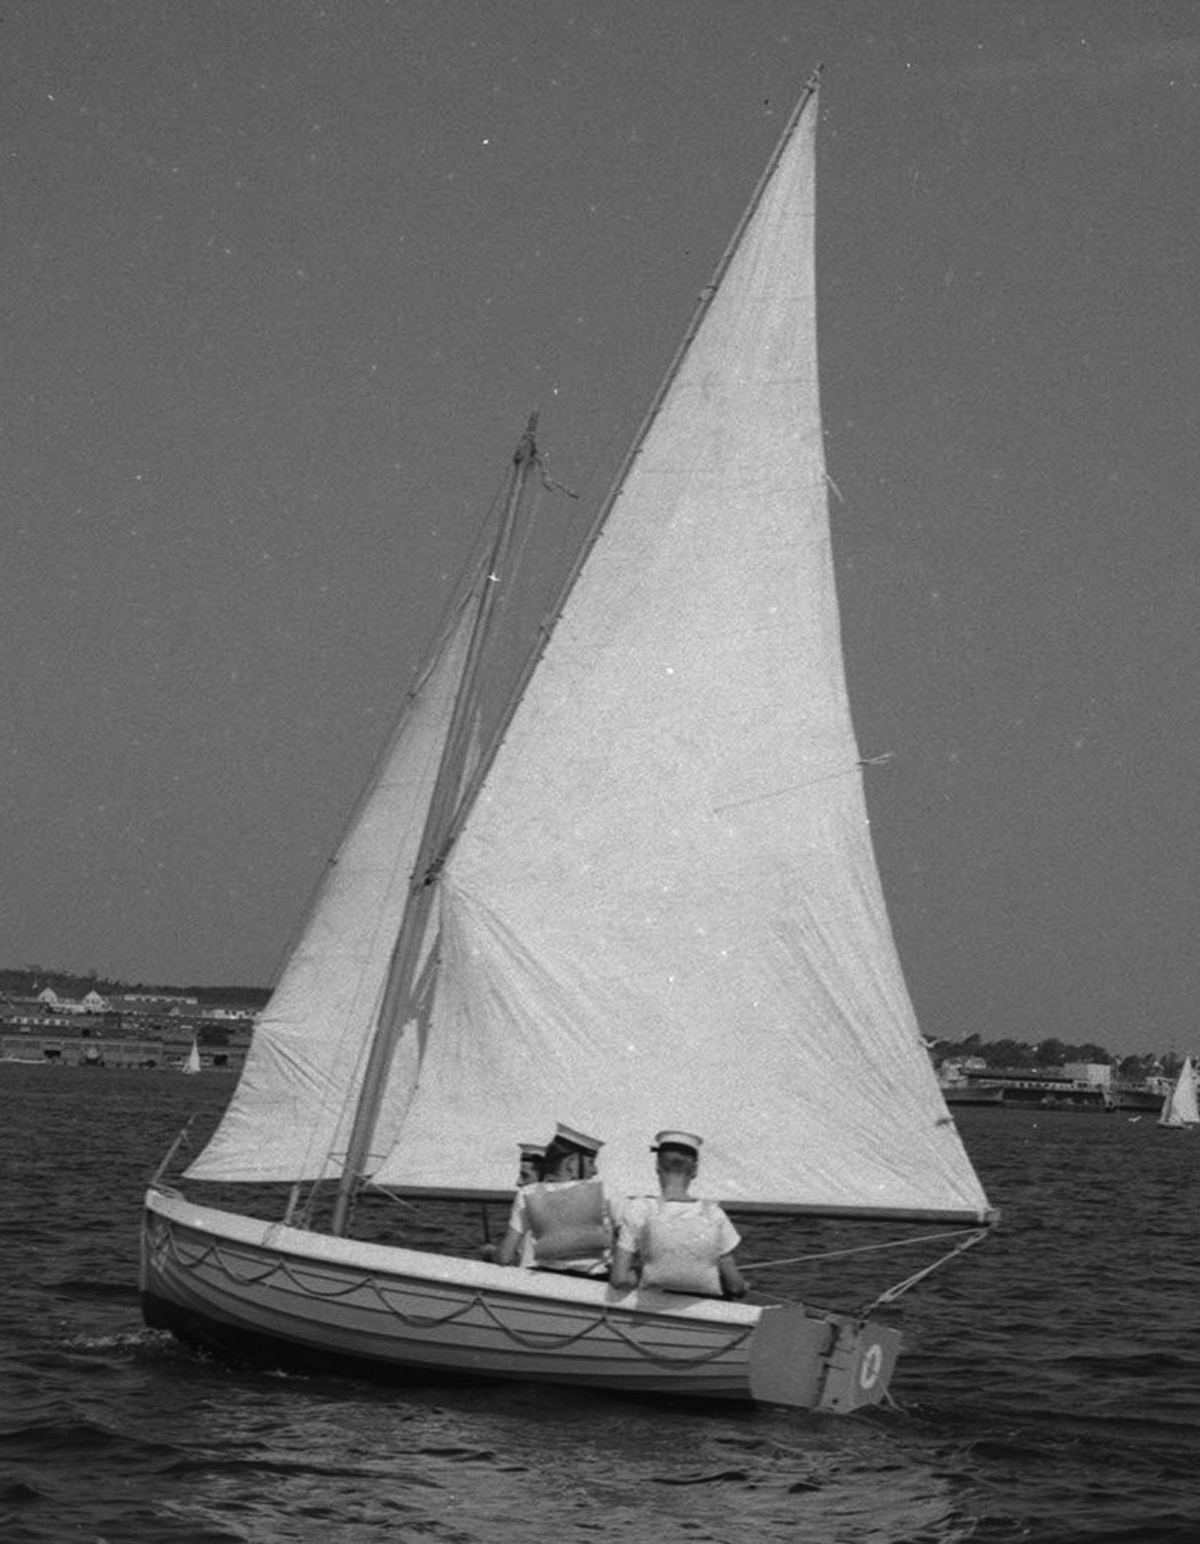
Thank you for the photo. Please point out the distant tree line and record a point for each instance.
(1018, 1054)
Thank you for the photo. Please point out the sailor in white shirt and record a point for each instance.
(564, 1221)
(674, 1241)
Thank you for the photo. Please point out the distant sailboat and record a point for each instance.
(634, 890)
(1180, 1106)
(192, 1063)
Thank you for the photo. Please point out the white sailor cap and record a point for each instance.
(686, 1139)
(579, 1139)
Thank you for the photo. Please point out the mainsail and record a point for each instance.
(663, 908)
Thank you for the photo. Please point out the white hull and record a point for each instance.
(242, 1283)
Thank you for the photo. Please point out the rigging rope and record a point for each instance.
(893, 1293)
(894, 1243)
(970, 1238)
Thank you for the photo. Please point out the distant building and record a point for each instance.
(957, 1069)
(1049, 1086)
(91, 1003)
(1095, 1074)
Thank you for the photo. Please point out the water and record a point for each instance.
(1049, 1391)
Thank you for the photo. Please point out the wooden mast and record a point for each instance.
(442, 823)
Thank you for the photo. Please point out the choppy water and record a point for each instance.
(1050, 1389)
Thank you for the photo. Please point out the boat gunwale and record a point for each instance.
(448, 1271)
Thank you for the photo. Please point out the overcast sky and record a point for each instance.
(282, 280)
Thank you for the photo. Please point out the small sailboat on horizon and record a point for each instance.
(191, 1062)
(631, 888)
(1181, 1109)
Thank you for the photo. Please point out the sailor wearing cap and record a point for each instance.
(565, 1215)
(531, 1163)
(674, 1241)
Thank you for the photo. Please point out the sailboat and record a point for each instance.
(191, 1064)
(1180, 1107)
(631, 887)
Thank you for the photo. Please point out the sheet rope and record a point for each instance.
(969, 1238)
(901, 1287)
(893, 1243)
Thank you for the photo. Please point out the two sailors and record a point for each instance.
(564, 1221)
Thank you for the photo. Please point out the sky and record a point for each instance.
(282, 281)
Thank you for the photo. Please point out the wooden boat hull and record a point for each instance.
(243, 1284)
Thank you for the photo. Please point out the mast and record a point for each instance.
(442, 822)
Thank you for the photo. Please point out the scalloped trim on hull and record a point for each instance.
(245, 1285)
